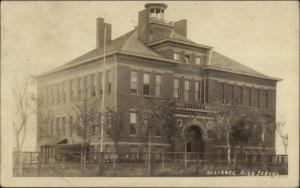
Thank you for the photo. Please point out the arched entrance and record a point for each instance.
(194, 138)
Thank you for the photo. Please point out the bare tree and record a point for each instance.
(261, 130)
(24, 108)
(115, 122)
(280, 126)
(45, 115)
(161, 121)
(87, 118)
(226, 114)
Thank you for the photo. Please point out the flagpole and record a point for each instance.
(103, 90)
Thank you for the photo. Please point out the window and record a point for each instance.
(52, 127)
(176, 56)
(71, 126)
(186, 89)
(222, 92)
(187, 59)
(265, 98)
(133, 122)
(134, 150)
(197, 91)
(63, 128)
(146, 116)
(109, 119)
(240, 95)
(146, 85)
(133, 82)
(108, 82)
(58, 93)
(85, 87)
(229, 92)
(93, 86)
(78, 88)
(158, 85)
(258, 97)
(158, 131)
(247, 96)
(146, 119)
(197, 60)
(52, 94)
(71, 91)
(93, 129)
(159, 149)
(46, 130)
(100, 84)
(47, 95)
(57, 127)
(109, 148)
(41, 94)
(63, 92)
(152, 13)
(176, 88)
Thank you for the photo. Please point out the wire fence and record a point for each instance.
(162, 160)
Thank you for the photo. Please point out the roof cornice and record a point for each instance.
(148, 57)
(241, 73)
(65, 67)
(179, 41)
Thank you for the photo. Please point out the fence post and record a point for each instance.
(185, 162)
(30, 157)
(38, 167)
(163, 160)
(100, 163)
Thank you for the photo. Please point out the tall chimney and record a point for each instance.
(143, 25)
(180, 27)
(100, 32)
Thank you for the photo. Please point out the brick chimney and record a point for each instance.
(100, 32)
(143, 25)
(180, 27)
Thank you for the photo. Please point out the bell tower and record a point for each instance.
(152, 14)
(156, 10)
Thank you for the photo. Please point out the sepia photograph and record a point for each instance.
(150, 93)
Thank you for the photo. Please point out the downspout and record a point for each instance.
(204, 86)
(116, 83)
(205, 77)
(103, 95)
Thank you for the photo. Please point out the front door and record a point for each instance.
(195, 143)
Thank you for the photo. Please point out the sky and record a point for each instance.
(37, 36)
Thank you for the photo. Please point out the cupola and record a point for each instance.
(156, 10)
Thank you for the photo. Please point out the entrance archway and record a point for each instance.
(194, 137)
